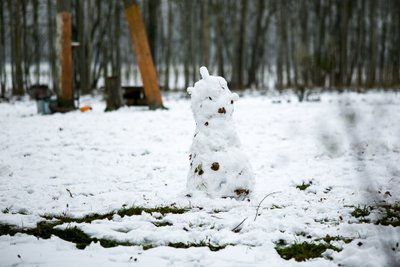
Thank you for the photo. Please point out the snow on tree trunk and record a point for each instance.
(218, 166)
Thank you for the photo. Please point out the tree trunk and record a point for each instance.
(18, 89)
(168, 46)
(281, 46)
(2, 53)
(26, 51)
(372, 44)
(251, 73)
(219, 17)
(36, 39)
(205, 34)
(238, 67)
(360, 43)
(152, 25)
(52, 54)
(344, 24)
(304, 50)
(384, 15)
(114, 96)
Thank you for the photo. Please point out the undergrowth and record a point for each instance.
(302, 251)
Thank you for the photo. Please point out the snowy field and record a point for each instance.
(333, 165)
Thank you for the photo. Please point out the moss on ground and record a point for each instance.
(390, 215)
(360, 212)
(304, 186)
(302, 251)
(121, 212)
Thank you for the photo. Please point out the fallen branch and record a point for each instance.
(259, 204)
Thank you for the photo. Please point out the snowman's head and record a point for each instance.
(212, 87)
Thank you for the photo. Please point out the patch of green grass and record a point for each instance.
(121, 212)
(6, 229)
(303, 251)
(391, 215)
(148, 246)
(329, 238)
(162, 223)
(361, 212)
(304, 185)
(71, 234)
(304, 234)
(274, 206)
(163, 210)
(212, 247)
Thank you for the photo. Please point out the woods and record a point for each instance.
(331, 44)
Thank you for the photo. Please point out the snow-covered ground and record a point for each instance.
(75, 164)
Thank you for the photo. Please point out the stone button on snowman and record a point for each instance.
(218, 166)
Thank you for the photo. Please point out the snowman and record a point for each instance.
(218, 166)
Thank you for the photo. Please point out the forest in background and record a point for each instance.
(332, 44)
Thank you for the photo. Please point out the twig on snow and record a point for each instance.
(70, 193)
(237, 229)
(259, 204)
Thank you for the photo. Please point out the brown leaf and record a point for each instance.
(222, 110)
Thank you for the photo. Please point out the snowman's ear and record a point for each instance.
(204, 72)
(190, 90)
(235, 97)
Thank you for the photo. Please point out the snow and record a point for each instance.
(75, 164)
(217, 164)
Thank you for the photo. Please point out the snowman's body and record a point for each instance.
(217, 164)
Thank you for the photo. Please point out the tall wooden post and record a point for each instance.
(64, 55)
(143, 54)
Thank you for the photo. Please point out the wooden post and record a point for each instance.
(64, 55)
(143, 54)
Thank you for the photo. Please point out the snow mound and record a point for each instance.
(218, 167)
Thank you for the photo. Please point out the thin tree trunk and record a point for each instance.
(238, 67)
(360, 43)
(372, 44)
(206, 35)
(36, 39)
(152, 25)
(2, 53)
(26, 51)
(219, 17)
(384, 15)
(168, 46)
(344, 24)
(304, 51)
(18, 89)
(51, 41)
(293, 48)
(251, 73)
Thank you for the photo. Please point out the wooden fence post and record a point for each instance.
(143, 54)
(64, 55)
